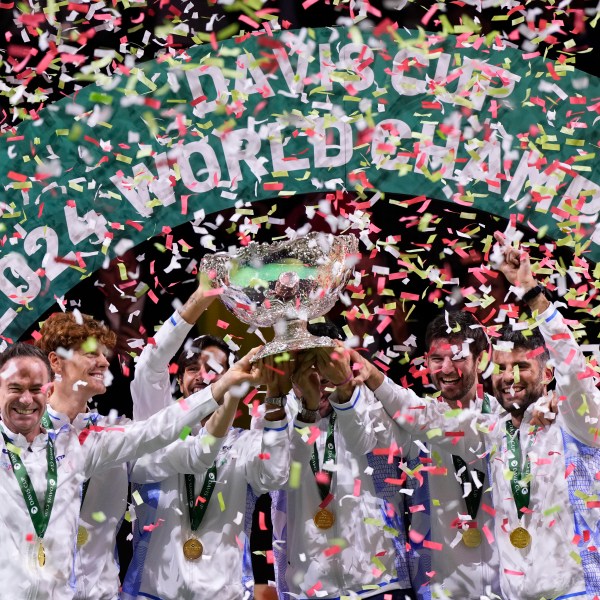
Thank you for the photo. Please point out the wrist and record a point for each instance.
(274, 413)
(344, 382)
(308, 415)
(529, 285)
(375, 380)
(275, 401)
(344, 393)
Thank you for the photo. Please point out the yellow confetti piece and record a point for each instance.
(137, 498)
(99, 517)
(295, 474)
(378, 563)
(221, 501)
(90, 345)
(434, 433)
(575, 556)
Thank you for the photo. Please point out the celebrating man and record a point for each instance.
(448, 525)
(78, 348)
(339, 525)
(198, 494)
(534, 525)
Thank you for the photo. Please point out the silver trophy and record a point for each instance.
(284, 285)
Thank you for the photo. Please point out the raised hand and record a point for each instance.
(366, 373)
(545, 410)
(306, 380)
(516, 265)
(238, 378)
(275, 372)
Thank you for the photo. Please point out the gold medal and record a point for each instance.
(41, 555)
(471, 537)
(192, 549)
(324, 519)
(520, 538)
(82, 536)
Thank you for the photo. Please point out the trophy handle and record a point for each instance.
(216, 268)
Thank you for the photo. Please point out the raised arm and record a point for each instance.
(195, 454)
(462, 431)
(349, 401)
(266, 456)
(113, 446)
(579, 399)
(151, 385)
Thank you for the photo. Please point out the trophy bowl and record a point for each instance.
(284, 285)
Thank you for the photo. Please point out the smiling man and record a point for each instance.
(540, 538)
(454, 492)
(43, 467)
(78, 348)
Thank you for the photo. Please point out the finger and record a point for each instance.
(500, 238)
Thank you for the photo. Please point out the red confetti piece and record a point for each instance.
(432, 545)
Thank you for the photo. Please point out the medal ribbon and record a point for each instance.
(39, 518)
(47, 423)
(520, 490)
(473, 498)
(329, 455)
(197, 511)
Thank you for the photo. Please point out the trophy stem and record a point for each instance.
(295, 337)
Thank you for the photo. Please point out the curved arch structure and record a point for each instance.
(460, 119)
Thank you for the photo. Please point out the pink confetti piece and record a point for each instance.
(248, 21)
(415, 536)
(249, 397)
(488, 534)
(432, 545)
(153, 526)
(335, 549)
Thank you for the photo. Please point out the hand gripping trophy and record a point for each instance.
(284, 285)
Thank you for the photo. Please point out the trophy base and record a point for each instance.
(294, 339)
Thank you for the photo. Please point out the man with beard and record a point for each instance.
(534, 526)
(337, 529)
(448, 534)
